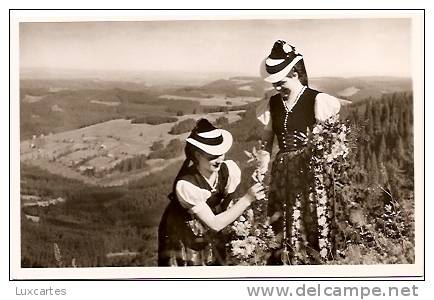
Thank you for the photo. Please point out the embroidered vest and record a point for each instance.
(287, 125)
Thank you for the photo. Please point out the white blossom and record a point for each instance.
(322, 243)
(323, 252)
(322, 221)
(322, 199)
(317, 129)
(250, 214)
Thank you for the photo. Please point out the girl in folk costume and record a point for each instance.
(189, 232)
(289, 115)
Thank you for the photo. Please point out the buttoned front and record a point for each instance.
(290, 125)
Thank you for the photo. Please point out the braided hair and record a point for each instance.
(300, 68)
(189, 151)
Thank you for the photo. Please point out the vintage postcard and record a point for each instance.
(217, 144)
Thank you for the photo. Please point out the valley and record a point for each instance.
(98, 160)
(93, 153)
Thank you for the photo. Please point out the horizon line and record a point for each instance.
(199, 73)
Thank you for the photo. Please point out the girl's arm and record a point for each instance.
(220, 221)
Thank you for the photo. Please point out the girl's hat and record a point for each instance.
(279, 63)
(210, 139)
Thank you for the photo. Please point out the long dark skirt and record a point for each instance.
(298, 218)
(185, 243)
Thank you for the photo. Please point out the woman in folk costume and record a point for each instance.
(189, 232)
(288, 115)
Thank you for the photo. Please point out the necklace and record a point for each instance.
(295, 101)
(212, 180)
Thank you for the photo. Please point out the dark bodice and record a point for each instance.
(215, 201)
(175, 226)
(287, 125)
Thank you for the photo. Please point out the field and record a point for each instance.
(92, 153)
(211, 100)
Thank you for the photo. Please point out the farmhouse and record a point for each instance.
(87, 170)
(32, 218)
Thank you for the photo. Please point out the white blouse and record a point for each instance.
(194, 198)
(325, 107)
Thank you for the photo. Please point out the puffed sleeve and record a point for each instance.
(234, 178)
(263, 112)
(191, 197)
(326, 106)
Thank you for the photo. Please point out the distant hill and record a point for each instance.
(56, 105)
(354, 88)
(45, 109)
(358, 88)
(231, 88)
(55, 85)
(150, 77)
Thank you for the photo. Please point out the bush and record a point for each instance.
(183, 126)
(172, 150)
(157, 145)
(222, 121)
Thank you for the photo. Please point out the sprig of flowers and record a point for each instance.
(252, 235)
(329, 143)
(328, 153)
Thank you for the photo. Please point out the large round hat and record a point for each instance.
(210, 139)
(279, 63)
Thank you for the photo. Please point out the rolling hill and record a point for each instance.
(354, 88)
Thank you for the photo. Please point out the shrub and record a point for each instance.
(222, 121)
(173, 149)
(157, 145)
(183, 126)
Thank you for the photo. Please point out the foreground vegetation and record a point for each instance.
(118, 226)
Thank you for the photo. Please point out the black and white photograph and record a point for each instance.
(217, 144)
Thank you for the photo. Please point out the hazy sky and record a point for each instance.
(331, 47)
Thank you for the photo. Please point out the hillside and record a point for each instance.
(99, 133)
(98, 158)
(117, 226)
(359, 88)
(53, 109)
(57, 105)
(113, 152)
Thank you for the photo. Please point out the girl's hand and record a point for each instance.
(256, 192)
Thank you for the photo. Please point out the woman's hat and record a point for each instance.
(210, 139)
(279, 63)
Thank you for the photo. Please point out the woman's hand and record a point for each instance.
(256, 192)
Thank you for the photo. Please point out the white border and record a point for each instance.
(155, 15)
(335, 271)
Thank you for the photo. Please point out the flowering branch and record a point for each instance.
(252, 235)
